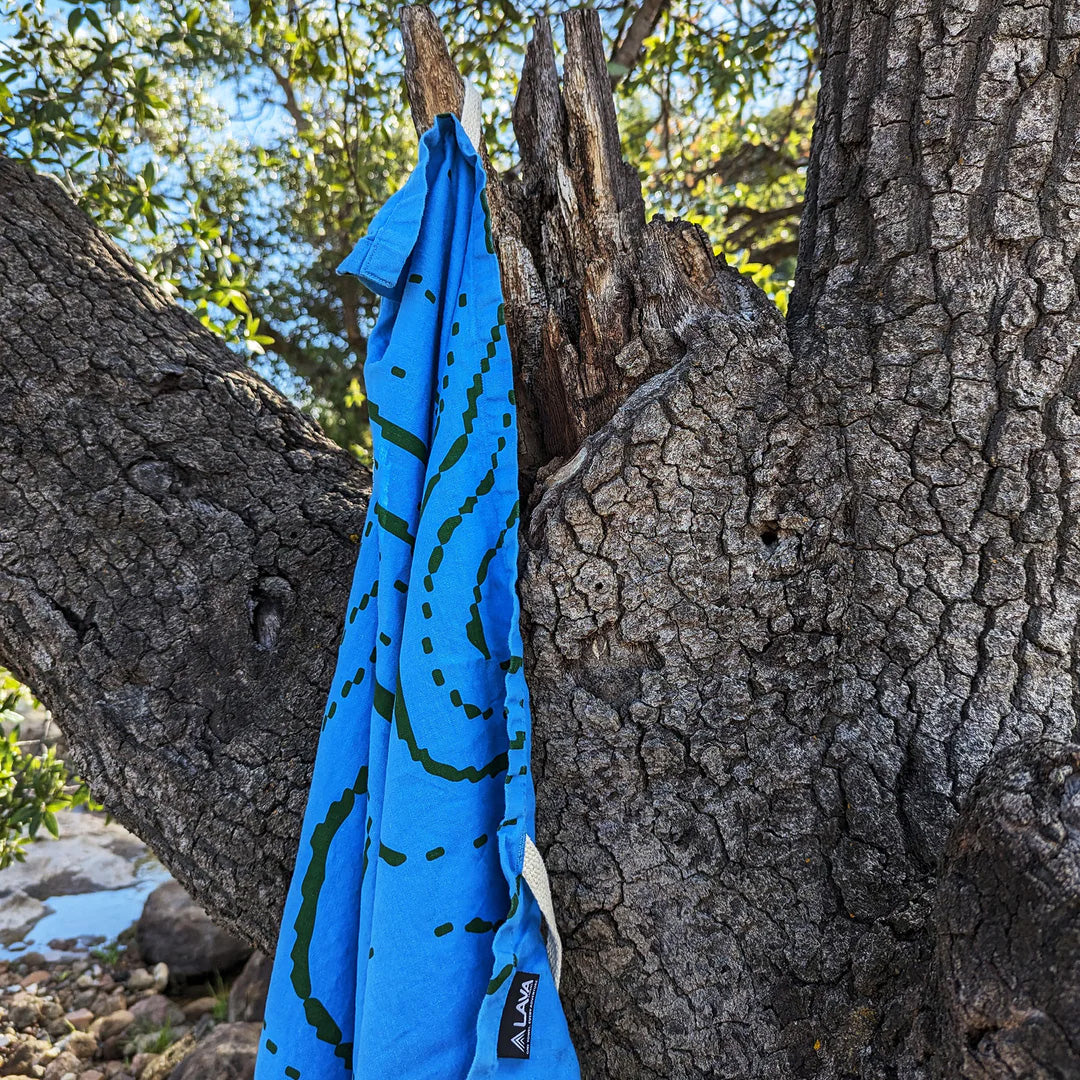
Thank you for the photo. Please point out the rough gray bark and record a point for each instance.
(801, 600)
(175, 544)
(1008, 920)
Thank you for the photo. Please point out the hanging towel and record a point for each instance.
(412, 945)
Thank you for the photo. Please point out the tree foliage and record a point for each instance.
(237, 152)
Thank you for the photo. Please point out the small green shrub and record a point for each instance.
(143, 1037)
(108, 954)
(33, 787)
(220, 993)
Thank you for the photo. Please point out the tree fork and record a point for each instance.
(570, 234)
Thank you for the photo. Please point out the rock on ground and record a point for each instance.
(88, 856)
(227, 1053)
(61, 1065)
(157, 1011)
(163, 1066)
(173, 929)
(82, 1017)
(247, 999)
(18, 914)
(200, 1007)
(105, 1027)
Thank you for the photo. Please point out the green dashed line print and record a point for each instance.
(458, 446)
(384, 702)
(322, 836)
(474, 628)
(394, 525)
(396, 434)
(470, 773)
(499, 979)
(389, 855)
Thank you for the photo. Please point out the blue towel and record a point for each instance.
(411, 947)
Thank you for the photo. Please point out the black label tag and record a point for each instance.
(515, 1027)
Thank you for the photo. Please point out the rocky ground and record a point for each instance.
(127, 996)
(174, 997)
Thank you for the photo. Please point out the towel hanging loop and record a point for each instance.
(471, 118)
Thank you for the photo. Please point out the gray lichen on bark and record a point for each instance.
(800, 598)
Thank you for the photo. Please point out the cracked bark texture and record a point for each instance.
(175, 544)
(1010, 897)
(786, 606)
(800, 599)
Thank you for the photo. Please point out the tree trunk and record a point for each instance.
(801, 600)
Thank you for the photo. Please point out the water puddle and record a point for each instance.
(83, 920)
(79, 891)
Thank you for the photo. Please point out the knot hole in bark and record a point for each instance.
(267, 609)
(770, 533)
